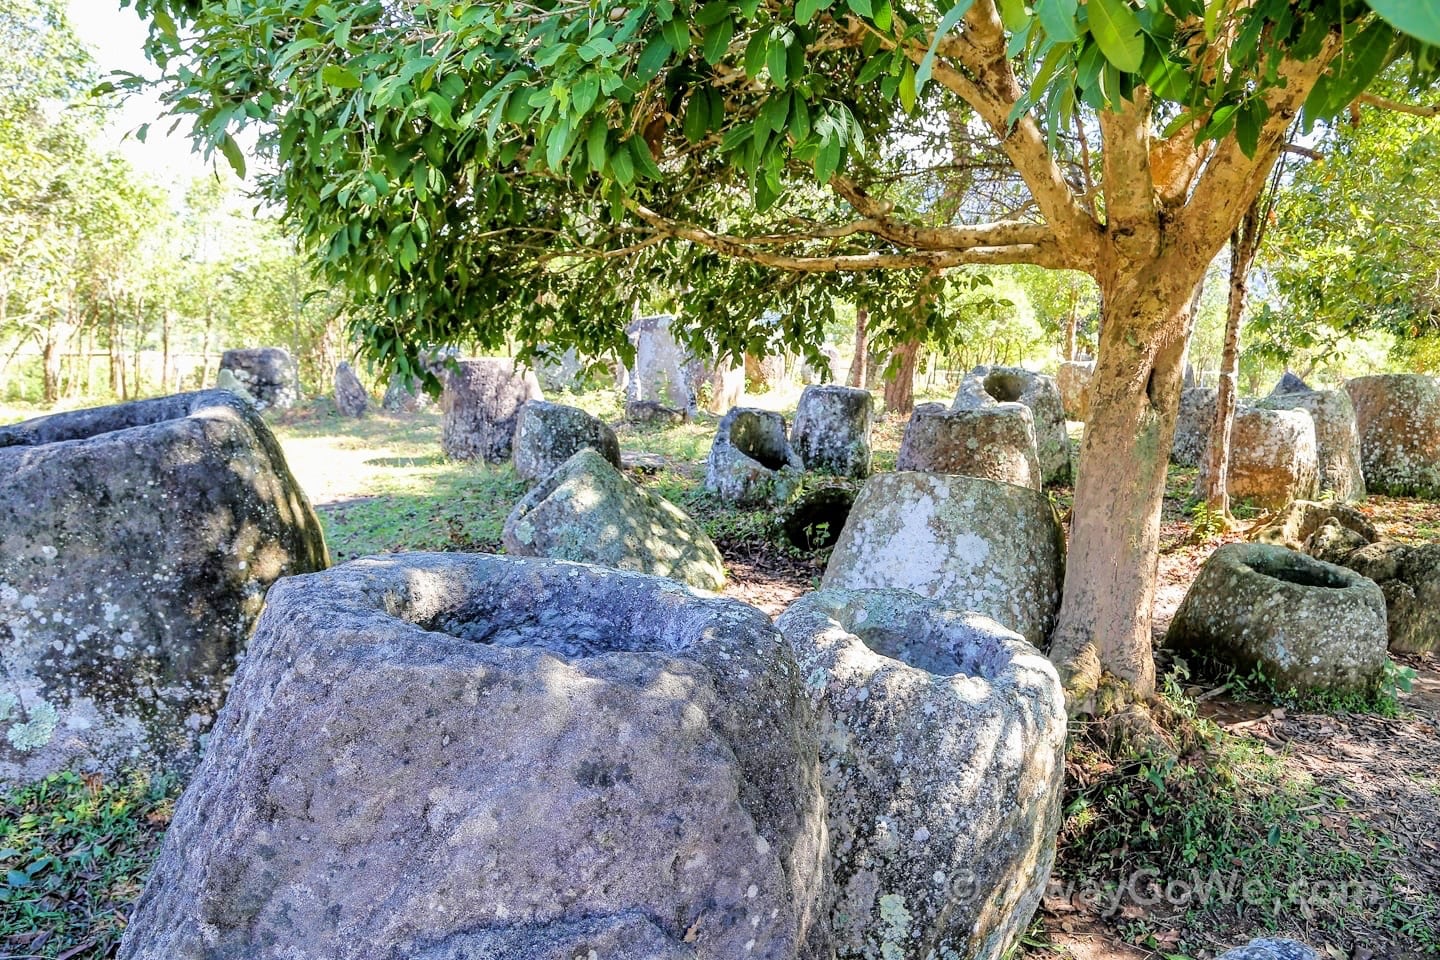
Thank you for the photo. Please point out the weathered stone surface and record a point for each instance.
(659, 372)
(995, 442)
(1337, 441)
(586, 510)
(226, 380)
(268, 374)
(971, 544)
(432, 752)
(748, 456)
(1334, 543)
(1307, 625)
(1398, 417)
(1290, 383)
(725, 388)
(831, 433)
(832, 371)
(1272, 457)
(1192, 426)
(942, 748)
(547, 434)
(481, 405)
(1294, 525)
(626, 936)
(351, 397)
(813, 520)
(1268, 949)
(648, 411)
(1073, 380)
(1409, 576)
(771, 372)
(987, 386)
(136, 546)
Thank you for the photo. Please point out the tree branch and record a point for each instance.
(1044, 254)
(902, 233)
(1383, 103)
(1131, 213)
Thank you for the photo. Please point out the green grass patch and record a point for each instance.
(74, 854)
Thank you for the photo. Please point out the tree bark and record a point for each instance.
(1072, 321)
(1214, 480)
(900, 387)
(1105, 616)
(859, 365)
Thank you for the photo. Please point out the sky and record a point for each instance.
(116, 37)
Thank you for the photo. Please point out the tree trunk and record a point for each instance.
(1072, 321)
(165, 351)
(860, 362)
(1105, 616)
(900, 387)
(50, 367)
(1214, 479)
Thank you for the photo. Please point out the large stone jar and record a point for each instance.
(942, 746)
(137, 543)
(439, 755)
(1398, 418)
(986, 386)
(481, 404)
(268, 375)
(971, 544)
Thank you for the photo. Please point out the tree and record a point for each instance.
(478, 170)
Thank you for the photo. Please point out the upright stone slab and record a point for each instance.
(1337, 441)
(547, 434)
(351, 397)
(1305, 624)
(970, 544)
(659, 372)
(1398, 417)
(481, 405)
(1272, 457)
(748, 456)
(987, 386)
(268, 374)
(1073, 380)
(993, 443)
(942, 748)
(725, 389)
(433, 755)
(1193, 425)
(136, 546)
(831, 433)
(586, 510)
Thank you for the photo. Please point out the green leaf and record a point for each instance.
(1013, 15)
(717, 40)
(623, 166)
(337, 76)
(884, 16)
(677, 32)
(907, 89)
(1418, 18)
(233, 154)
(1057, 17)
(777, 55)
(947, 23)
(861, 8)
(1117, 31)
(653, 58)
(805, 10)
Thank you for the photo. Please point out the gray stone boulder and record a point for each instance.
(1409, 577)
(1073, 378)
(749, 457)
(1290, 382)
(831, 433)
(226, 380)
(987, 386)
(481, 405)
(1293, 526)
(994, 442)
(1272, 457)
(1192, 426)
(648, 411)
(1398, 417)
(586, 510)
(942, 749)
(659, 372)
(1307, 625)
(351, 397)
(1268, 949)
(436, 755)
(832, 371)
(970, 544)
(547, 434)
(1334, 543)
(268, 374)
(1337, 441)
(137, 543)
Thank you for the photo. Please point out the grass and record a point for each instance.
(74, 854)
(1216, 835)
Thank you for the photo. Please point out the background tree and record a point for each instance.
(479, 171)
